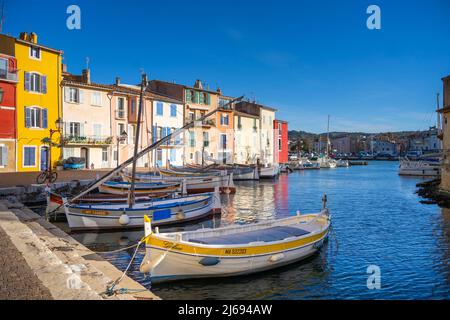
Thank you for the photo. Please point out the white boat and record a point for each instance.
(120, 216)
(420, 168)
(342, 163)
(327, 163)
(234, 250)
(269, 171)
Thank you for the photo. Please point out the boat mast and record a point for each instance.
(328, 136)
(146, 150)
(131, 195)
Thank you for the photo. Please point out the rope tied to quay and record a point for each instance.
(110, 289)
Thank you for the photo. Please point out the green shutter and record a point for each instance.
(196, 98)
(201, 101)
(188, 95)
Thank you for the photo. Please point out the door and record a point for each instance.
(85, 155)
(44, 158)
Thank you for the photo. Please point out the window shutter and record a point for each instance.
(27, 81)
(27, 117)
(67, 94)
(177, 139)
(82, 129)
(188, 95)
(196, 97)
(154, 134)
(44, 119)
(201, 100)
(208, 99)
(66, 129)
(4, 156)
(81, 96)
(44, 84)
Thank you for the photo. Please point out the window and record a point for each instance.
(159, 133)
(105, 154)
(120, 108)
(97, 129)
(254, 125)
(35, 52)
(191, 116)
(35, 82)
(3, 155)
(223, 141)
(239, 122)
(191, 156)
(192, 139)
(75, 129)
(173, 110)
(36, 117)
(159, 109)
(159, 155)
(115, 155)
(280, 145)
(73, 95)
(96, 99)
(279, 128)
(3, 68)
(192, 96)
(120, 130)
(133, 106)
(131, 133)
(29, 156)
(224, 119)
(205, 139)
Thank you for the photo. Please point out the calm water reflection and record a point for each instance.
(377, 220)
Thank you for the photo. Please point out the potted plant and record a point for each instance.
(59, 165)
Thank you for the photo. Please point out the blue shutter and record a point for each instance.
(27, 117)
(154, 134)
(4, 156)
(173, 155)
(44, 119)
(44, 84)
(27, 81)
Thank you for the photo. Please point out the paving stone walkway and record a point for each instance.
(17, 280)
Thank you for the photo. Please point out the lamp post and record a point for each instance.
(59, 124)
(123, 136)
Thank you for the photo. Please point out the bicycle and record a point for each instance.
(47, 176)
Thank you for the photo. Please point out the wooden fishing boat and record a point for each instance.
(234, 250)
(55, 201)
(269, 172)
(120, 216)
(194, 183)
(123, 188)
(240, 172)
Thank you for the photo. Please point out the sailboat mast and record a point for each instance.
(328, 136)
(131, 195)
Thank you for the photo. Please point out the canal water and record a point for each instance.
(377, 218)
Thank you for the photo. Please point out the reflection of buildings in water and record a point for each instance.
(281, 196)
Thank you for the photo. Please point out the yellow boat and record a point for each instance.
(234, 250)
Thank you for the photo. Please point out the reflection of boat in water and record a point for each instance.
(234, 250)
(422, 167)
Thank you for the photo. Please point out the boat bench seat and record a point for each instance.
(265, 235)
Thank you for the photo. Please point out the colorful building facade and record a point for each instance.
(281, 143)
(87, 121)
(38, 100)
(8, 83)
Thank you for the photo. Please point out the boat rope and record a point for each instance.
(110, 289)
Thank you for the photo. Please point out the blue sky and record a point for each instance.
(306, 58)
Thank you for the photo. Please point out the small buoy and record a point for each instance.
(298, 212)
(124, 219)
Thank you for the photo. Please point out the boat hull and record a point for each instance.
(270, 172)
(107, 217)
(170, 258)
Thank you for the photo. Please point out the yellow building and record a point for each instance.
(38, 99)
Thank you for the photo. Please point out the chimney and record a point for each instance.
(198, 84)
(33, 38)
(219, 91)
(87, 76)
(117, 81)
(23, 36)
(64, 68)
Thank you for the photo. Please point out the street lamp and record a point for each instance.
(123, 136)
(59, 124)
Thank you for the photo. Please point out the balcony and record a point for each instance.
(87, 140)
(9, 75)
